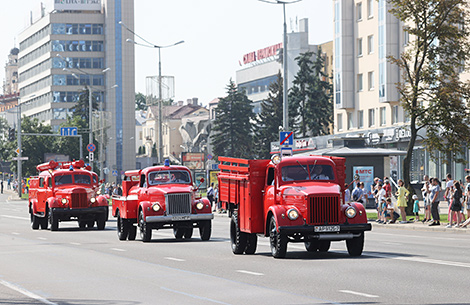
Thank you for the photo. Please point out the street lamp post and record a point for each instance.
(19, 148)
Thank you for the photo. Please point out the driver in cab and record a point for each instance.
(317, 173)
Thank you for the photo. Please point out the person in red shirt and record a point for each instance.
(388, 189)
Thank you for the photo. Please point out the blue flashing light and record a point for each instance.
(71, 167)
(167, 162)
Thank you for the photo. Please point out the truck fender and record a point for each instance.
(33, 205)
(361, 216)
(207, 206)
(102, 201)
(145, 206)
(53, 202)
(280, 214)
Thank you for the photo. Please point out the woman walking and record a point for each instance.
(456, 206)
(402, 193)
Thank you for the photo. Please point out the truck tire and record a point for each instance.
(324, 245)
(355, 245)
(205, 228)
(145, 230)
(44, 223)
(122, 228)
(278, 241)
(251, 243)
(132, 232)
(82, 224)
(188, 233)
(178, 232)
(311, 245)
(34, 222)
(238, 239)
(100, 222)
(53, 221)
(90, 224)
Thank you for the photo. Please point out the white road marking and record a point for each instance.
(15, 233)
(117, 249)
(421, 260)
(360, 294)
(76, 244)
(194, 296)
(175, 259)
(26, 292)
(42, 238)
(15, 217)
(250, 272)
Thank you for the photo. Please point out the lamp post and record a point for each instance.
(18, 137)
(285, 118)
(160, 117)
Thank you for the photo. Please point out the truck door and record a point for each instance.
(269, 189)
(41, 194)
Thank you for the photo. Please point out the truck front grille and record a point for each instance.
(323, 210)
(178, 204)
(79, 201)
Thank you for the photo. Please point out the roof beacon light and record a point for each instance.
(167, 162)
(71, 167)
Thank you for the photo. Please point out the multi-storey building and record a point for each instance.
(75, 45)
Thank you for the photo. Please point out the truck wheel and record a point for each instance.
(100, 222)
(82, 224)
(53, 221)
(278, 241)
(44, 223)
(251, 243)
(34, 222)
(178, 232)
(355, 245)
(311, 246)
(132, 231)
(145, 230)
(205, 227)
(324, 245)
(90, 224)
(238, 238)
(122, 228)
(188, 232)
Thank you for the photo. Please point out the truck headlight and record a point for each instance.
(351, 212)
(292, 214)
(64, 201)
(156, 207)
(199, 205)
(93, 200)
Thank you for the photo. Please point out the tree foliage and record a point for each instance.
(266, 127)
(82, 107)
(140, 101)
(232, 131)
(431, 90)
(310, 98)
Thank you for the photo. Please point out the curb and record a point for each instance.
(411, 227)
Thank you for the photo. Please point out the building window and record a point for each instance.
(394, 114)
(406, 36)
(370, 44)
(370, 77)
(359, 11)
(360, 119)
(359, 82)
(350, 120)
(359, 47)
(370, 8)
(383, 116)
(339, 121)
(371, 117)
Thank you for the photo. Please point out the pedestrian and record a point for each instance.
(425, 190)
(380, 199)
(390, 215)
(358, 192)
(210, 196)
(434, 199)
(347, 193)
(9, 183)
(216, 196)
(416, 207)
(467, 195)
(1, 185)
(456, 205)
(448, 191)
(388, 189)
(402, 193)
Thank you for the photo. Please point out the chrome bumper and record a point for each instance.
(173, 218)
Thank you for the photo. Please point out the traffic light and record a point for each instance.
(11, 134)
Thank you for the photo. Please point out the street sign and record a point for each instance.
(286, 138)
(68, 131)
(18, 158)
(286, 151)
(90, 156)
(209, 157)
(115, 173)
(18, 151)
(91, 147)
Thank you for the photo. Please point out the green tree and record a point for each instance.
(310, 98)
(82, 107)
(266, 127)
(431, 90)
(140, 101)
(232, 131)
(71, 145)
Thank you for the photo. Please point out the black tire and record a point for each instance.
(90, 224)
(53, 221)
(355, 245)
(82, 224)
(145, 229)
(132, 232)
(238, 239)
(251, 243)
(188, 232)
(44, 223)
(311, 245)
(205, 228)
(101, 222)
(34, 222)
(324, 245)
(278, 241)
(122, 228)
(178, 232)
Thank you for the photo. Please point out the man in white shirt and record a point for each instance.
(317, 173)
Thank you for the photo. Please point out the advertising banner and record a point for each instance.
(366, 175)
(193, 160)
(77, 5)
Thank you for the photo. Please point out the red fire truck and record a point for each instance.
(161, 197)
(66, 192)
(293, 199)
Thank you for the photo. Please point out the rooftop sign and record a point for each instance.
(261, 54)
(77, 5)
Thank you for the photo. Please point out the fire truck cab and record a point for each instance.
(293, 199)
(161, 197)
(66, 192)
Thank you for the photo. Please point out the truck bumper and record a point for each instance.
(80, 212)
(173, 218)
(346, 231)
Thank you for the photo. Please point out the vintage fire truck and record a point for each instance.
(66, 192)
(290, 199)
(161, 197)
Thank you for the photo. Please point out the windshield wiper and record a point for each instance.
(303, 167)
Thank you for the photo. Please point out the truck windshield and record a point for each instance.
(167, 177)
(63, 179)
(83, 179)
(313, 172)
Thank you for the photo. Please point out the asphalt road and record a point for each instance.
(74, 266)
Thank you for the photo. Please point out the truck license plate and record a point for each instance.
(180, 218)
(326, 228)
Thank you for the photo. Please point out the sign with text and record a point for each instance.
(261, 54)
(77, 5)
(193, 160)
(366, 175)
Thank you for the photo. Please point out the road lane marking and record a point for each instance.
(250, 272)
(15, 217)
(42, 238)
(15, 233)
(360, 294)
(194, 296)
(421, 260)
(76, 244)
(26, 292)
(117, 249)
(175, 259)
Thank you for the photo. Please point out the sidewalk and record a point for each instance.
(12, 195)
